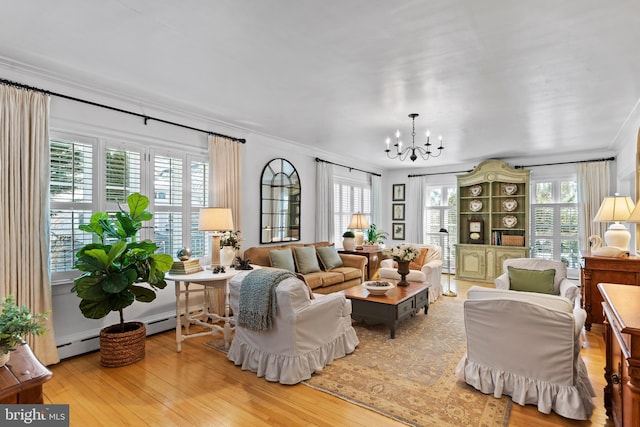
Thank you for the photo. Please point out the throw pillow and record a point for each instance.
(418, 261)
(306, 259)
(282, 258)
(329, 257)
(540, 281)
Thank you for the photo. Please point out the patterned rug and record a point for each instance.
(411, 378)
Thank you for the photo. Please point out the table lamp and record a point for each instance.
(216, 220)
(616, 209)
(359, 222)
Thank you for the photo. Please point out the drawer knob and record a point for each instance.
(615, 379)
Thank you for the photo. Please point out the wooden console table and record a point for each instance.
(22, 377)
(373, 257)
(594, 270)
(622, 339)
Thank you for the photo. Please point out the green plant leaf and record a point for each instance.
(118, 282)
(137, 207)
(116, 250)
(90, 263)
(94, 309)
(121, 300)
(143, 294)
(89, 287)
(163, 262)
(126, 224)
(109, 229)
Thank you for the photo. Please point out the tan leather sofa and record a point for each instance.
(321, 282)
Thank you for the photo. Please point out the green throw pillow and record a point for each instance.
(306, 259)
(540, 281)
(282, 258)
(329, 257)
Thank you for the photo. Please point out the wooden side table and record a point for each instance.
(22, 377)
(597, 269)
(373, 257)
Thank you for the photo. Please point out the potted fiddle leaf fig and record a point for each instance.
(118, 270)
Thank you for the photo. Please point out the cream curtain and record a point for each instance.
(225, 176)
(415, 202)
(24, 216)
(376, 200)
(593, 186)
(324, 202)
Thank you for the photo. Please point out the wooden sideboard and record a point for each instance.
(22, 377)
(594, 270)
(621, 308)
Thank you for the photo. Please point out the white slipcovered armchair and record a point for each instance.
(527, 345)
(431, 271)
(561, 285)
(306, 335)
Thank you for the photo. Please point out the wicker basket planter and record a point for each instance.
(122, 348)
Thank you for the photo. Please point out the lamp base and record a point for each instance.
(617, 236)
(215, 250)
(359, 239)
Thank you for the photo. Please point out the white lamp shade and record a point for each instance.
(614, 209)
(215, 219)
(635, 215)
(358, 222)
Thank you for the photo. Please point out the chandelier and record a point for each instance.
(402, 153)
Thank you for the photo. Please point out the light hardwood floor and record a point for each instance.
(199, 387)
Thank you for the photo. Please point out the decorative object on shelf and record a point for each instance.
(216, 220)
(348, 241)
(509, 189)
(616, 209)
(358, 223)
(424, 152)
(511, 240)
(604, 251)
(475, 205)
(398, 193)
(509, 205)
(184, 254)
(448, 292)
(115, 271)
(475, 190)
(377, 287)
(476, 231)
(509, 221)
(398, 230)
(16, 322)
(230, 245)
(227, 255)
(403, 270)
(189, 266)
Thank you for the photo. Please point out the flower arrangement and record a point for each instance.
(231, 238)
(403, 253)
(16, 322)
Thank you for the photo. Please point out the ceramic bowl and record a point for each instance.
(377, 287)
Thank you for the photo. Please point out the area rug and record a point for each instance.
(411, 378)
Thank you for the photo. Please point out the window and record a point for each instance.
(554, 216)
(349, 198)
(89, 174)
(441, 212)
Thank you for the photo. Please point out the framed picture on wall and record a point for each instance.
(398, 231)
(398, 192)
(398, 211)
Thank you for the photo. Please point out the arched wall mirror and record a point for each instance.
(280, 204)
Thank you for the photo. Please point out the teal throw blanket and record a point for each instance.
(257, 303)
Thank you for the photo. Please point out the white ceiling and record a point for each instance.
(496, 78)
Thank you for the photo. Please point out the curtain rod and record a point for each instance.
(347, 167)
(608, 159)
(120, 110)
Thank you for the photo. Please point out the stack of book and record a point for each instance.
(186, 267)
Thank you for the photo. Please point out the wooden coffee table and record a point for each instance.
(396, 305)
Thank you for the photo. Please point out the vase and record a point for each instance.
(4, 358)
(227, 255)
(403, 270)
(349, 243)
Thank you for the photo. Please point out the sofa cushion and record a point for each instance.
(349, 273)
(555, 302)
(329, 257)
(540, 281)
(314, 280)
(306, 259)
(282, 258)
(418, 262)
(331, 278)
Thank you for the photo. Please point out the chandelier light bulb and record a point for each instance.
(398, 134)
